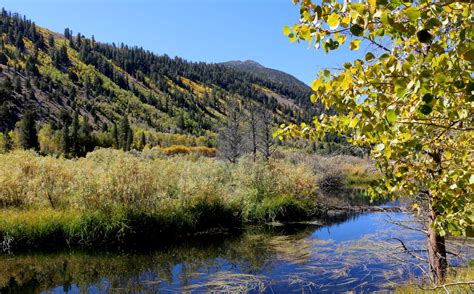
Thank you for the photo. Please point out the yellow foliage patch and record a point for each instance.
(180, 149)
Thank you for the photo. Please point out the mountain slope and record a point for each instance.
(276, 76)
(54, 74)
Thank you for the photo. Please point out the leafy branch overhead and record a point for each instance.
(411, 97)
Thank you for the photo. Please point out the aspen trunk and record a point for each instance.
(436, 250)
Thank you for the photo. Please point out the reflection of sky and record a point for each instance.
(352, 255)
(362, 225)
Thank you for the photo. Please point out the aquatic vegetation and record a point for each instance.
(281, 259)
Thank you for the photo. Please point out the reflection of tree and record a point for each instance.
(133, 272)
(206, 264)
(351, 197)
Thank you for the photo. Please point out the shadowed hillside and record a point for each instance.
(53, 74)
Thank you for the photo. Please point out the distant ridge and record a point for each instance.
(274, 75)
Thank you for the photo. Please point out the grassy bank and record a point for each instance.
(117, 199)
(455, 283)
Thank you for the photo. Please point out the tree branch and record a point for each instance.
(377, 44)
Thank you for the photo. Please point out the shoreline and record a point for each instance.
(139, 231)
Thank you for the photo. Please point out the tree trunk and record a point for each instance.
(436, 249)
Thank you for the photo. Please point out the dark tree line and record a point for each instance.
(76, 137)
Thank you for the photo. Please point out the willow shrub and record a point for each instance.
(118, 197)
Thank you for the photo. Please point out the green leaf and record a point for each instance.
(424, 36)
(412, 13)
(427, 98)
(391, 116)
(469, 55)
(292, 37)
(425, 109)
(384, 18)
(356, 30)
(400, 87)
(369, 57)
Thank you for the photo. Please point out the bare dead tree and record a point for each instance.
(266, 142)
(231, 139)
(254, 111)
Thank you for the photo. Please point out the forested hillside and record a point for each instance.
(276, 76)
(61, 78)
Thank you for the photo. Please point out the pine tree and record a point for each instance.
(3, 58)
(7, 85)
(28, 132)
(51, 41)
(129, 143)
(85, 140)
(75, 144)
(142, 141)
(31, 66)
(67, 33)
(115, 137)
(65, 140)
(124, 133)
(19, 42)
(18, 87)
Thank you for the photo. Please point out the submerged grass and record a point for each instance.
(117, 199)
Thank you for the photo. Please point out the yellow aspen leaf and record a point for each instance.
(345, 21)
(306, 15)
(305, 33)
(373, 5)
(286, 30)
(354, 45)
(341, 39)
(315, 84)
(347, 81)
(333, 21)
(353, 122)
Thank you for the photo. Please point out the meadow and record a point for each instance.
(116, 199)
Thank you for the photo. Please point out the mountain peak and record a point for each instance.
(277, 76)
(244, 63)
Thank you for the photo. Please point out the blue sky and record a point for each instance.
(197, 30)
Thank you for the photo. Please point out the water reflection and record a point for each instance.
(355, 253)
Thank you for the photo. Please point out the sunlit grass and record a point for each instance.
(113, 198)
(456, 275)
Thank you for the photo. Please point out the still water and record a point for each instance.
(357, 253)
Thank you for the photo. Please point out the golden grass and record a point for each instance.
(180, 149)
(456, 275)
(116, 193)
